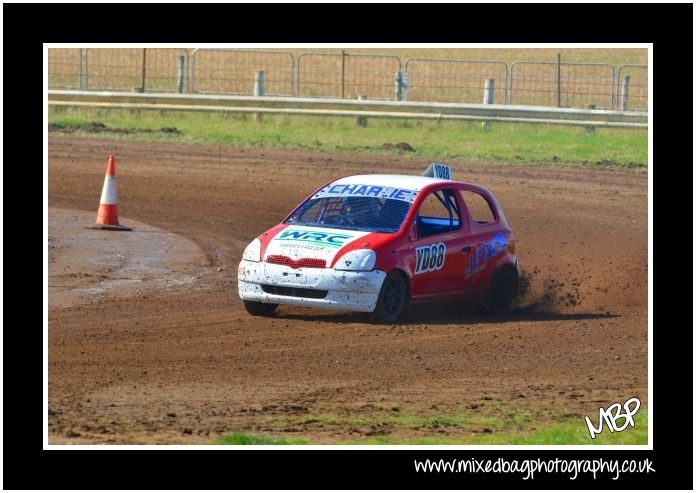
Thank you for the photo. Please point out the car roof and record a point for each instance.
(403, 181)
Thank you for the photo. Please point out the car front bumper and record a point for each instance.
(306, 286)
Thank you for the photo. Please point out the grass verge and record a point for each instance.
(571, 432)
(494, 424)
(246, 439)
(568, 432)
(444, 140)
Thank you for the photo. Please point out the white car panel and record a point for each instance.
(346, 290)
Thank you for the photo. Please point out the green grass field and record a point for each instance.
(454, 141)
(520, 429)
(253, 439)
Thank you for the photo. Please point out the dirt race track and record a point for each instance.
(188, 364)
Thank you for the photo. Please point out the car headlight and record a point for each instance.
(252, 252)
(357, 260)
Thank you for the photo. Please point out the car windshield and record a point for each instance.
(376, 214)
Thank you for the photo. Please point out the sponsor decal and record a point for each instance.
(441, 171)
(430, 258)
(354, 189)
(438, 170)
(332, 240)
(479, 259)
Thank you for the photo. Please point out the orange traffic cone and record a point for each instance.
(107, 216)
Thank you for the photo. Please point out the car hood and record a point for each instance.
(308, 242)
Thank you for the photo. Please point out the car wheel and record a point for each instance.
(260, 309)
(504, 290)
(393, 298)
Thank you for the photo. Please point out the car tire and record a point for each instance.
(504, 290)
(260, 309)
(393, 299)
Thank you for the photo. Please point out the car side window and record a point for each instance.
(479, 209)
(439, 213)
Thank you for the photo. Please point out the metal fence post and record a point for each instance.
(362, 121)
(590, 129)
(259, 90)
(83, 68)
(404, 86)
(142, 85)
(624, 93)
(558, 80)
(192, 71)
(488, 92)
(508, 84)
(180, 76)
(397, 86)
(296, 77)
(343, 74)
(401, 86)
(259, 84)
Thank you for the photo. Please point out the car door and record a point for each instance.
(486, 239)
(439, 243)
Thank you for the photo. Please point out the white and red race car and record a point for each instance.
(379, 243)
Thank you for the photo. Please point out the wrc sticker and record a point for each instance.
(430, 258)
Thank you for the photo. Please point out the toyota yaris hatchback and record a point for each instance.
(379, 243)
